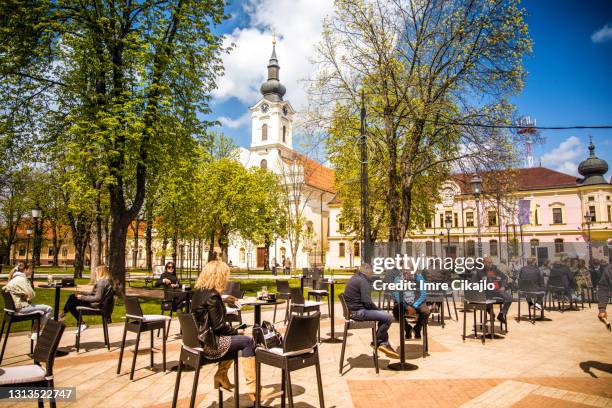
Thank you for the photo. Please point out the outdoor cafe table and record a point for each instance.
(402, 365)
(257, 304)
(330, 300)
(56, 305)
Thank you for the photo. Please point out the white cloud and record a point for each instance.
(235, 123)
(298, 26)
(565, 157)
(603, 34)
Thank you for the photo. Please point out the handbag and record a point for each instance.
(266, 336)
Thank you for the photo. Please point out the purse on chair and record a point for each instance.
(266, 336)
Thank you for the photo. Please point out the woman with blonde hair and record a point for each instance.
(212, 282)
(89, 299)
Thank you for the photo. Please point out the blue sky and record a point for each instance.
(569, 80)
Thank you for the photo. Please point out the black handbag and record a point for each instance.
(266, 336)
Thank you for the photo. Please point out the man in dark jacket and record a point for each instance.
(357, 294)
(560, 272)
(492, 274)
(531, 272)
(604, 288)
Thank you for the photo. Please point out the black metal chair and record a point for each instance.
(300, 306)
(555, 290)
(528, 289)
(174, 301)
(11, 315)
(350, 324)
(234, 289)
(34, 375)
(104, 309)
(477, 300)
(300, 350)
(283, 291)
(137, 322)
(192, 355)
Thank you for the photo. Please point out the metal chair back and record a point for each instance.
(9, 303)
(297, 297)
(47, 344)
(132, 306)
(345, 310)
(282, 286)
(189, 328)
(474, 296)
(302, 332)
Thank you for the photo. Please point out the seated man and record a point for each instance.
(414, 304)
(531, 272)
(357, 295)
(491, 274)
(561, 272)
(22, 293)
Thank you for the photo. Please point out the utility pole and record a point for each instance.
(367, 246)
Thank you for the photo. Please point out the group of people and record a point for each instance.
(20, 288)
(285, 265)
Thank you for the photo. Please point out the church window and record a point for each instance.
(264, 132)
(263, 164)
(341, 250)
(284, 134)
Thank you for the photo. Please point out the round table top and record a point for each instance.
(256, 302)
(52, 285)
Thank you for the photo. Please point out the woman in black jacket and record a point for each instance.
(211, 282)
(168, 277)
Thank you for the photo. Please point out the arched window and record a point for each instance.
(341, 249)
(356, 249)
(242, 256)
(263, 164)
(264, 132)
(284, 134)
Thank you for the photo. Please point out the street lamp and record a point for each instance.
(588, 219)
(476, 183)
(36, 215)
(448, 222)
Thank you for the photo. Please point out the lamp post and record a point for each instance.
(448, 222)
(315, 254)
(36, 215)
(588, 219)
(476, 183)
(29, 235)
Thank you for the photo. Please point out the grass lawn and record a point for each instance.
(150, 305)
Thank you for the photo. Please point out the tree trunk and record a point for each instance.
(164, 248)
(135, 229)
(96, 248)
(174, 249)
(80, 246)
(55, 242)
(267, 255)
(149, 240)
(211, 247)
(116, 250)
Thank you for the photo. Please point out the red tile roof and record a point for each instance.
(535, 178)
(315, 174)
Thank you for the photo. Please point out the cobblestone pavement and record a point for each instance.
(562, 362)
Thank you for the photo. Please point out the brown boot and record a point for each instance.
(221, 379)
(248, 368)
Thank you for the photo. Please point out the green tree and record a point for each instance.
(130, 78)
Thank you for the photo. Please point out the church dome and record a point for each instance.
(272, 89)
(593, 168)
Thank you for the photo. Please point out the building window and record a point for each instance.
(409, 248)
(559, 246)
(341, 227)
(356, 249)
(428, 248)
(455, 220)
(263, 164)
(610, 213)
(536, 216)
(428, 223)
(264, 132)
(341, 249)
(470, 248)
(593, 213)
(557, 216)
(591, 198)
(242, 255)
(469, 219)
(51, 251)
(22, 250)
(64, 252)
(284, 134)
(492, 218)
(493, 247)
(534, 243)
(441, 220)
